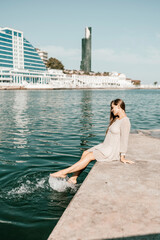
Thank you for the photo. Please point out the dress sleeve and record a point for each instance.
(124, 135)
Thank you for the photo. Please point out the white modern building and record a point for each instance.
(43, 55)
(21, 65)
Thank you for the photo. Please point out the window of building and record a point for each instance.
(5, 40)
(8, 31)
(6, 44)
(6, 65)
(6, 61)
(19, 34)
(3, 56)
(15, 33)
(5, 36)
(6, 48)
(6, 53)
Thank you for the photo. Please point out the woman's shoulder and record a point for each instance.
(126, 120)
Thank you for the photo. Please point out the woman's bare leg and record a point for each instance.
(73, 178)
(75, 175)
(81, 164)
(77, 172)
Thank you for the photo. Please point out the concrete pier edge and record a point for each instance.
(117, 200)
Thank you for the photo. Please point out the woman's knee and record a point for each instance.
(85, 153)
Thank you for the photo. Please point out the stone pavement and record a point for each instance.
(117, 200)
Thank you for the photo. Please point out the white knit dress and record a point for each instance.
(115, 142)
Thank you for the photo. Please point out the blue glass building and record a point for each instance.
(32, 60)
(17, 52)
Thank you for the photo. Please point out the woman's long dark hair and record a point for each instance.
(112, 117)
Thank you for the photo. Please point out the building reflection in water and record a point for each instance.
(20, 118)
(86, 119)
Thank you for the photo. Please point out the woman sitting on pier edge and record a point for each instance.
(114, 146)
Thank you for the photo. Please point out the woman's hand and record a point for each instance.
(123, 160)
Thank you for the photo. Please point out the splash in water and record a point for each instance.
(27, 187)
(61, 184)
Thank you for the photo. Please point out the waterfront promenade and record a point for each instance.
(51, 87)
(117, 200)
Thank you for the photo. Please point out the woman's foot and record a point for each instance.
(72, 180)
(58, 174)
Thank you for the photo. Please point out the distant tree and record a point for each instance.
(98, 74)
(74, 71)
(136, 82)
(54, 63)
(155, 83)
(106, 74)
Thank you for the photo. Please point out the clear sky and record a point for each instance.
(125, 33)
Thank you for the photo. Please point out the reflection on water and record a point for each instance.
(86, 118)
(45, 131)
(20, 118)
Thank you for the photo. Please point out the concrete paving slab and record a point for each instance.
(117, 200)
(142, 147)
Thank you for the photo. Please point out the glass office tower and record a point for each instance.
(86, 51)
(17, 52)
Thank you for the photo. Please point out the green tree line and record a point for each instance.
(54, 63)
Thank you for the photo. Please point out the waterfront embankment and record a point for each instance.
(117, 200)
(50, 87)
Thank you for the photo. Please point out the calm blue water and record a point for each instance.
(45, 131)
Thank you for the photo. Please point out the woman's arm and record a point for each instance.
(124, 136)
